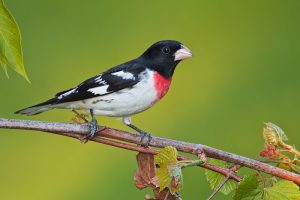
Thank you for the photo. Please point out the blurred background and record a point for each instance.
(245, 72)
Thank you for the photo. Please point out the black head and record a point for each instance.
(164, 56)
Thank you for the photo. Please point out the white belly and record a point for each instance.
(123, 103)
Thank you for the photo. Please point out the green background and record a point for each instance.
(245, 72)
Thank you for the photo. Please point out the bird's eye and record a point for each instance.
(166, 50)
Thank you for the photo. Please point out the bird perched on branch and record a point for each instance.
(123, 90)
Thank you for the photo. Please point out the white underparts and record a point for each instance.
(122, 103)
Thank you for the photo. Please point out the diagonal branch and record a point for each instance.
(77, 130)
(232, 170)
(218, 188)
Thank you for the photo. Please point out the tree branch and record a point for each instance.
(78, 130)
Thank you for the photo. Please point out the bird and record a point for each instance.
(124, 90)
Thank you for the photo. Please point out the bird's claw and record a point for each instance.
(147, 142)
(142, 133)
(93, 130)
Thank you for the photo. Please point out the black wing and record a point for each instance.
(117, 78)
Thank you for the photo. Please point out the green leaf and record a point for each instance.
(3, 63)
(283, 189)
(273, 134)
(251, 188)
(168, 170)
(215, 179)
(10, 43)
(248, 189)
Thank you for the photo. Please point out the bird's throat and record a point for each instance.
(161, 85)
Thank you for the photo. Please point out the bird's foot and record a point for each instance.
(148, 137)
(93, 130)
(141, 132)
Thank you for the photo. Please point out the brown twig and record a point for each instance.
(80, 116)
(166, 197)
(218, 188)
(77, 130)
(232, 170)
(290, 149)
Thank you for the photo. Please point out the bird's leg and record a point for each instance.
(94, 125)
(143, 136)
(93, 128)
(127, 122)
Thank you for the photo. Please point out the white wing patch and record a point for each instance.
(124, 75)
(100, 80)
(66, 93)
(99, 90)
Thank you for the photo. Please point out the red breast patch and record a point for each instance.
(161, 85)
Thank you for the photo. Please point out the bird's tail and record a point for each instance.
(34, 110)
(37, 109)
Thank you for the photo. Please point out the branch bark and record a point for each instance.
(79, 130)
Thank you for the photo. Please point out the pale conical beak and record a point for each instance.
(183, 53)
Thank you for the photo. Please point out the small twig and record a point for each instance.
(272, 160)
(77, 114)
(232, 170)
(166, 197)
(218, 188)
(290, 149)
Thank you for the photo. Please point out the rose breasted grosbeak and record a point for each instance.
(123, 90)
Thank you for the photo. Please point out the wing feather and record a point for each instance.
(118, 78)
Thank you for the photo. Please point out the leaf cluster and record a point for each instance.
(278, 151)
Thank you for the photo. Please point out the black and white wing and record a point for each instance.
(117, 78)
(113, 80)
